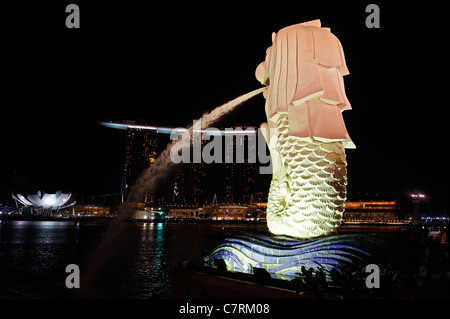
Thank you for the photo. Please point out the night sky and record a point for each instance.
(168, 63)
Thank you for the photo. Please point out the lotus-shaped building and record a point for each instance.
(45, 203)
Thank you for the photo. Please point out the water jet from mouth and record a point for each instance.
(149, 180)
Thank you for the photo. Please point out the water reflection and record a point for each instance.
(34, 254)
(31, 254)
(149, 266)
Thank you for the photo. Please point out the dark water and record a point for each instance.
(139, 263)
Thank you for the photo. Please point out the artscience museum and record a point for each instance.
(45, 204)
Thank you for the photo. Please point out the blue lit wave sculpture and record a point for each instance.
(282, 257)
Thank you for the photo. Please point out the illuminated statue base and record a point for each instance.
(282, 257)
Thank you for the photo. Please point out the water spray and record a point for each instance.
(150, 177)
(163, 163)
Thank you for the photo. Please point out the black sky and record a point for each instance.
(168, 63)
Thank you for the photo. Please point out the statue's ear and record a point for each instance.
(273, 36)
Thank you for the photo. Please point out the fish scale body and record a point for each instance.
(309, 201)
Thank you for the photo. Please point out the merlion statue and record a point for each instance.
(305, 131)
(306, 134)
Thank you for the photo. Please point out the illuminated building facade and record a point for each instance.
(141, 152)
(190, 178)
(379, 212)
(240, 177)
(189, 184)
(234, 178)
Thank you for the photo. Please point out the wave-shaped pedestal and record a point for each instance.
(282, 257)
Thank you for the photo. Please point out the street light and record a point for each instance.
(416, 198)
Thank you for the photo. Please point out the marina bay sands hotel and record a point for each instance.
(229, 182)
